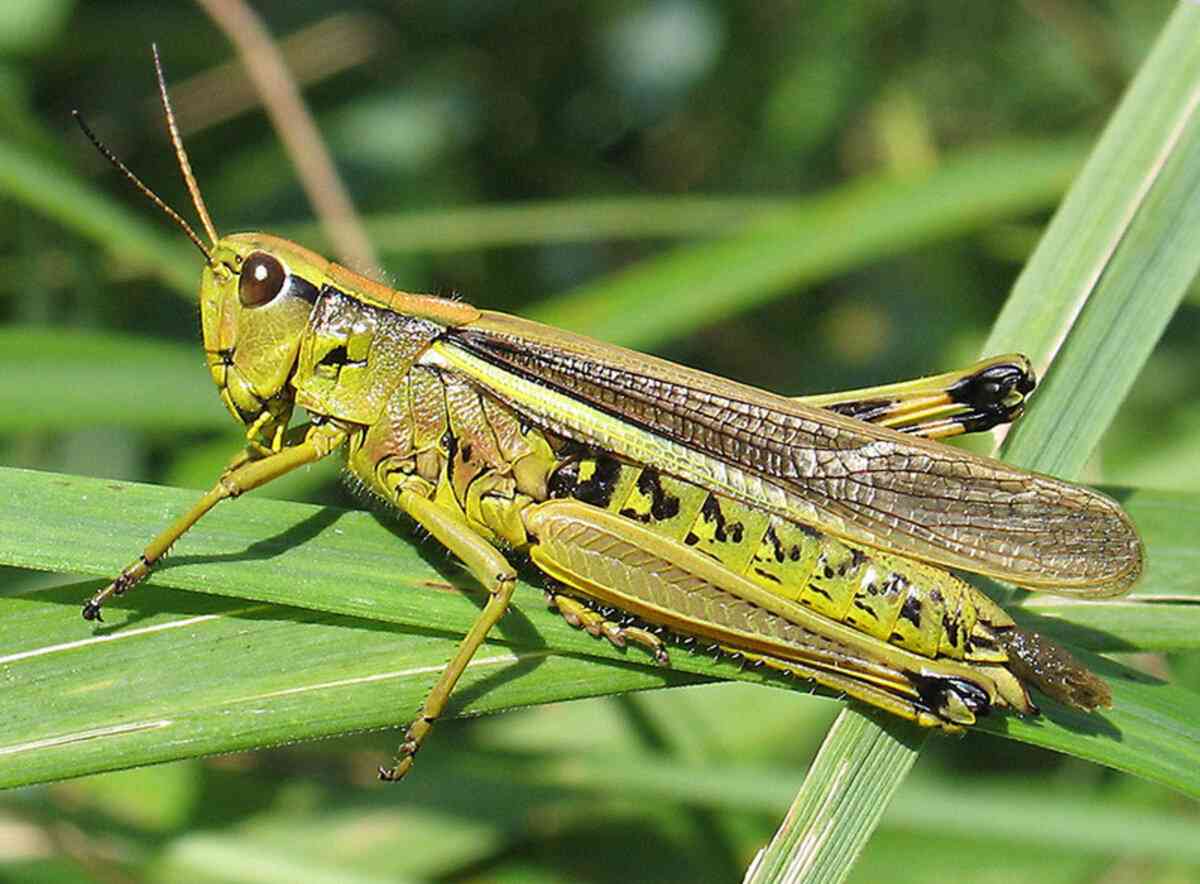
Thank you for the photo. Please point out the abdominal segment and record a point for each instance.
(905, 603)
(944, 635)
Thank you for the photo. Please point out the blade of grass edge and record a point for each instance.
(1096, 215)
(858, 768)
(1152, 125)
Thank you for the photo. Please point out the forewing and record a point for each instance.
(864, 483)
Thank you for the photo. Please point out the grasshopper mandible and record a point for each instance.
(809, 536)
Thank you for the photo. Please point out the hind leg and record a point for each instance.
(581, 616)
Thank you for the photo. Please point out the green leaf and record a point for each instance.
(147, 384)
(1152, 731)
(1115, 262)
(828, 824)
(332, 624)
(867, 219)
(557, 221)
(184, 675)
(1093, 820)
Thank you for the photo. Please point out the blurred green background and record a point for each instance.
(804, 196)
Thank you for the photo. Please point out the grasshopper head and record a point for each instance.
(256, 294)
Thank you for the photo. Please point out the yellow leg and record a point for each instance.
(977, 398)
(581, 616)
(617, 561)
(242, 475)
(491, 569)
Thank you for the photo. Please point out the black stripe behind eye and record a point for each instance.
(302, 289)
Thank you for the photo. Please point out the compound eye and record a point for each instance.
(261, 279)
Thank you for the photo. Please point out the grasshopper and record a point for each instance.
(813, 537)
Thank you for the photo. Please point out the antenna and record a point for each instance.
(140, 185)
(184, 165)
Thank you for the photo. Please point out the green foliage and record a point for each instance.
(863, 182)
(299, 675)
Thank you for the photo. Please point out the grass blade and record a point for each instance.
(827, 825)
(1115, 262)
(1002, 806)
(541, 222)
(331, 624)
(148, 384)
(865, 220)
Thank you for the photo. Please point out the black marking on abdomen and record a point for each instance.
(776, 544)
(598, 490)
(723, 529)
(662, 505)
(866, 608)
(893, 585)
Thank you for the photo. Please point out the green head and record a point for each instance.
(256, 295)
